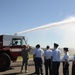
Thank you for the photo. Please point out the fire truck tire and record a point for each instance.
(4, 61)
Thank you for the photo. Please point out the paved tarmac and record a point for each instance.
(16, 67)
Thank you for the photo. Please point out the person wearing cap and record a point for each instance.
(73, 65)
(66, 61)
(47, 59)
(55, 59)
(38, 54)
(25, 57)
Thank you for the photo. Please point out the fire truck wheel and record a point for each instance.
(4, 61)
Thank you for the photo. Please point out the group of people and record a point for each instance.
(51, 60)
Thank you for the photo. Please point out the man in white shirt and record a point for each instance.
(47, 59)
(55, 60)
(34, 59)
(38, 54)
(66, 62)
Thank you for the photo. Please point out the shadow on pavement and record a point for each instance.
(31, 74)
(17, 74)
(16, 66)
(10, 68)
(13, 73)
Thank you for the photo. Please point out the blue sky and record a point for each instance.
(19, 15)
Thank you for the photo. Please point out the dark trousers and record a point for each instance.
(55, 68)
(48, 67)
(35, 64)
(39, 68)
(65, 68)
(73, 69)
(24, 62)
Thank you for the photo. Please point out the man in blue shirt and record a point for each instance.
(66, 61)
(38, 54)
(55, 59)
(47, 59)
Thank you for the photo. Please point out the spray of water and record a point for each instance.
(64, 22)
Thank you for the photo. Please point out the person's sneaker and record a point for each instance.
(26, 71)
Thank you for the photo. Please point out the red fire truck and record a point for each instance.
(10, 49)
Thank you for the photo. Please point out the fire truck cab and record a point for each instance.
(10, 49)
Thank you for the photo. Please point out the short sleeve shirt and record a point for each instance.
(66, 57)
(48, 54)
(56, 55)
(38, 53)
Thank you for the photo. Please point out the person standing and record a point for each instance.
(55, 59)
(66, 62)
(73, 65)
(34, 58)
(38, 54)
(47, 59)
(25, 57)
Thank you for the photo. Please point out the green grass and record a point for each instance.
(30, 57)
(19, 58)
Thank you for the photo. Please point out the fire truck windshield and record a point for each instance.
(16, 42)
(19, 41)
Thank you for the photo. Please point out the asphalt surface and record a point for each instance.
(16, 67)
